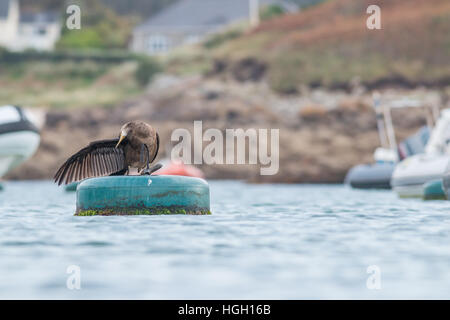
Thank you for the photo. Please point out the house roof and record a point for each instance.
(4, 8)
(202, 13)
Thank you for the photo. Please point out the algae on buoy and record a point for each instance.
(143, 195)
(433, 190)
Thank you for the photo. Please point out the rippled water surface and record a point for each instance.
(262, 241)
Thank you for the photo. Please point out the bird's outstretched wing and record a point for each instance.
(99, 158)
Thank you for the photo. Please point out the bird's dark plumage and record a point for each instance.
(100, 158)
(137, 146)
(157, 148)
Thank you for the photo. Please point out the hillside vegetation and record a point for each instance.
(141, 8)
(72, 79)
(329, 44)
(90, 67)
(106, 24)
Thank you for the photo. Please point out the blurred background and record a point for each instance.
(306, 67)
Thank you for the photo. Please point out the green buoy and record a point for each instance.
(433, 190)
(72, 186)
(142, 195)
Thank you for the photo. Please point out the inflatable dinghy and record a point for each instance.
(19, 138)
(370, 176)
(378, 175)
(411, 174)
(446, 182)
(433, 190)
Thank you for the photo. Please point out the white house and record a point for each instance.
(22, 30)
(189, 21)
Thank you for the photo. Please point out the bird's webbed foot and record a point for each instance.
(149, 171)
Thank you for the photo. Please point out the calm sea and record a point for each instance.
(262, 241)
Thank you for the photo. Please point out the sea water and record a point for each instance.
(261, 242)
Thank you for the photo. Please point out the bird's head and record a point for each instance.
(124, 132)
(133, 130)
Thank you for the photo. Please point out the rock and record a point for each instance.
(322, 133)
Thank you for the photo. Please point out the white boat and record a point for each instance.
(378, 174)
(19, 137)
(411, 174)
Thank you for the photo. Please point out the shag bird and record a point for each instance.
(135, 148)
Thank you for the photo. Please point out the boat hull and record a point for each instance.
(433, 190)
(411, 174)
(446, 182)
(15, 148)
(19, 137)
(370, 176)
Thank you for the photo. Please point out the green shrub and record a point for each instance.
(218, 39)
(271, 11)
(101, 56)
(146, 70)
(102, 28)
(3, 51)
(81, 39)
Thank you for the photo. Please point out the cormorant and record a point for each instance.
(136, 147)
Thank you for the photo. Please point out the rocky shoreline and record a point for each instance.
(322, 133)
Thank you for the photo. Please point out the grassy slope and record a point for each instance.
(67, 84)
(329, 44)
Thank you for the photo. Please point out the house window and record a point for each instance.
(41, 31)
(158, 44)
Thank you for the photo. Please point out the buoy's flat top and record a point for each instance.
(143, 181)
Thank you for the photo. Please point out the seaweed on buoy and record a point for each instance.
(140, 211)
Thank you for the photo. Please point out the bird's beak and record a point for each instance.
(122, 136)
